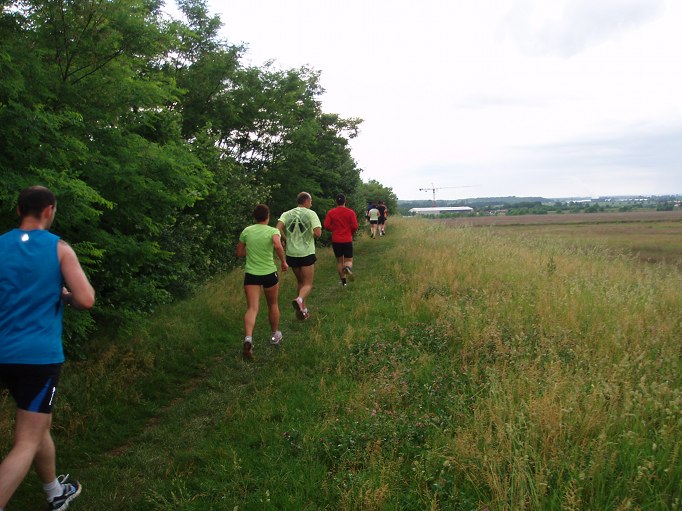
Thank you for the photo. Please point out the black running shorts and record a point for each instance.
(299, 262)
(261, 280)
(33, 387)
(343, 249)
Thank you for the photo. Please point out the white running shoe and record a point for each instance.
(276, 338)
(348, 271)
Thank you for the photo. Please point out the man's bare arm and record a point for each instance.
(283, 235)
(79, 292)
(279, 250)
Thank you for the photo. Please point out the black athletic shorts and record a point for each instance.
(374, 222)
(299, 262)
(382, 220)
(261, 280)
(33, 387)
(343, 249)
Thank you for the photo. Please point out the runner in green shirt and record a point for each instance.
(299, 228)
(257, 243)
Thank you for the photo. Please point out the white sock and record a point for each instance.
(52, 490)
(248, 338)
(299, 299)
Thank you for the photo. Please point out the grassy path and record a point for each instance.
(235, 439)
(220, 440)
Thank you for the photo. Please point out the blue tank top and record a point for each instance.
(30, 298)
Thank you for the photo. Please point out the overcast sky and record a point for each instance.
(550, 98)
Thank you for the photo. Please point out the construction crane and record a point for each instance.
(433, 189)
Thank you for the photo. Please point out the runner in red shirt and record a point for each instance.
(342, 222)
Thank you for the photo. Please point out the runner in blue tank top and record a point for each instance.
(39, 275)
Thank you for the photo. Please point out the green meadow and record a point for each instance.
(462, 370)
(651, 236)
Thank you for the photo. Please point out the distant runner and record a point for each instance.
(342, 222)
(257, 243)
(370, 205)
(383, 215)
(299, 228)
(373, 215)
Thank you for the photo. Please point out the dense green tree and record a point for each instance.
(84, 114)
(315, 157)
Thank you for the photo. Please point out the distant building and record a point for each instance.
(438, 211)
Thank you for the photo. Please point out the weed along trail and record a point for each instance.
(459, 370)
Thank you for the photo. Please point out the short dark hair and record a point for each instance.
(340, 199)
(261, 213)
(34, 199)
(302, 197)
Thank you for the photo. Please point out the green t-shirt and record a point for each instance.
(299, 224)
(374, 215)
(259, 249)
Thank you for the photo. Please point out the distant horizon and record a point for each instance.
(566, 197)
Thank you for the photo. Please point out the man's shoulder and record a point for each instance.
(37, 233)
(287, 213)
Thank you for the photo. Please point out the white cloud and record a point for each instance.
(569, 27)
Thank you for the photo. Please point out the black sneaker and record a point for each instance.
(72, 489)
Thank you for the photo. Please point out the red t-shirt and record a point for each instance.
(342, 222)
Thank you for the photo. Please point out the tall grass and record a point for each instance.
(577, 358)
(461, 370)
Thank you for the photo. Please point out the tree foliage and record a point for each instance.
(374, 191)
(157, 140)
